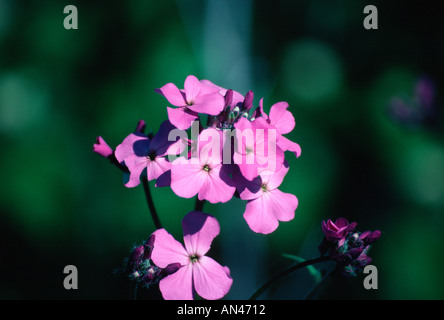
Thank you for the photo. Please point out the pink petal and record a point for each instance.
(247, 166)
(272, 162)
(274, 179)
(187, 178)
(248, 190)
(167, 250)
(199, 230)
(211, 104)
(210, 143)
(156, 168)
(211, 280)
(282, 205)
(135, 165)
(281, 118)
(179, 285)
(181, 118)
(127, 147)
(173, 95)
(237, 98)
(180, 147)
(259, 217)
(286, 144)
(192, 87)
(218, 186)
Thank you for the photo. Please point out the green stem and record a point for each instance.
(149, 200)
(283, 273)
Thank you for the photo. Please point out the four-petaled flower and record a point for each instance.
(203, 174)
(198, 272)
(266, 204)
(139, 152)
(196, 97)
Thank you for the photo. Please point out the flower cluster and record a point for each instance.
(346, 246)
(214, 146)
(239, 151)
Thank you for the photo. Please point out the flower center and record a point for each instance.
(194, 258)
(206, 168)
(264, 187)
(152, 155)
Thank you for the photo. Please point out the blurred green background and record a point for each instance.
(62, 204)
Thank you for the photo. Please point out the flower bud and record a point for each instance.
(248, 101)
(102, 148)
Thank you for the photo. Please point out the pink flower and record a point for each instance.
(198, 272)
(257, 148)
(139, 152)
(195, 98)
(266, 204)
(284, 122)
(203, 174)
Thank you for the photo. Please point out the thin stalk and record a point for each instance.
(283, 273)
(149, 200)
(199, 204)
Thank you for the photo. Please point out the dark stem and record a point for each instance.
(149, 200)
(112, 158)
(199, 204)
(318, 287)
(283, 273)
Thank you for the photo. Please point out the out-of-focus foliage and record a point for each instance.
(62, 204)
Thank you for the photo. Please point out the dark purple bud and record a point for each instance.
(248, 101)
(369, 237)
(134, 259)
(228, 97)
(141, 125)
(171, 268)
(148, 247)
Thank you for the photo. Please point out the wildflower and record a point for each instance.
(195, 98)
(197, 272)
(139, 152)
(266, 205)
(204, 173)
(347, 247)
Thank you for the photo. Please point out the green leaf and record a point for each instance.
(311, 269)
